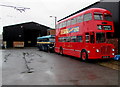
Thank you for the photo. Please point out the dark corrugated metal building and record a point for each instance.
(27, 32)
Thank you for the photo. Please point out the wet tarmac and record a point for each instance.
(29, 66)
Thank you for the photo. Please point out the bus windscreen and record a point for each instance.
(100, 37)
(98, 16)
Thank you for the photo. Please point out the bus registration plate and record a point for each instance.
(106, 57)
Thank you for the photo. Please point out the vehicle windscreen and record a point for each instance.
(108, 17)
(98, 16)
(52, 39)
(100, 37)
(43, 40)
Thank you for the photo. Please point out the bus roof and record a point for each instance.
(48, 36)
(83, 11)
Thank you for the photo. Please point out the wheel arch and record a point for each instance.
(84, 50)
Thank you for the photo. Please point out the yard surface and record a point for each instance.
(29, 66)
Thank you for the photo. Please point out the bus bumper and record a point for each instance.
(101, 57)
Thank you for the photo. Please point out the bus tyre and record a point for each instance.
(61, 51)
(48, 49)
(43, 48)
(39, 48)
(84, 55)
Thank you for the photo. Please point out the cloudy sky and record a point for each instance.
(40, 11)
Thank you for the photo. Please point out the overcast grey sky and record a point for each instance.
(39, 11)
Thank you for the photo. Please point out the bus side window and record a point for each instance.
(79, 38)
(61, 39)
(87, 36)
(88, 17)
(73, 39)
(68, 22)
(68, 39)
(61, 25)
(73, 21)
(79, 19)
(38, 40)
(64, 24)
(64, 39)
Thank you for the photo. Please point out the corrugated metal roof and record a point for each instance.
(109, 0)
(79, 11)
(88, 7)
(28, 24)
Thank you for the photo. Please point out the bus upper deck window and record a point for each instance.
(98, 16)
(87, 17)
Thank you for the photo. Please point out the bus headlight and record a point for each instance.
(113, 49)
(113, 54)
(88, 51)
(97, 50)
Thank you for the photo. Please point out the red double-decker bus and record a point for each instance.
(84, 35)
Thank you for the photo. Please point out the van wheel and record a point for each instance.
(84, 55)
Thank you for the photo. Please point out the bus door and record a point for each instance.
(90, 43)
(90, 37)
(89, 40)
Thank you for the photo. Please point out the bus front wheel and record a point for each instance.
(84, 55)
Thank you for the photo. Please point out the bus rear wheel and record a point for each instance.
(84, 55)
(61, 51)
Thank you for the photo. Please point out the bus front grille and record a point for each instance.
(105, 50)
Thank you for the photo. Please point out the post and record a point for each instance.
(55, 20)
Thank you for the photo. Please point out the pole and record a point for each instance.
(55, 20)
